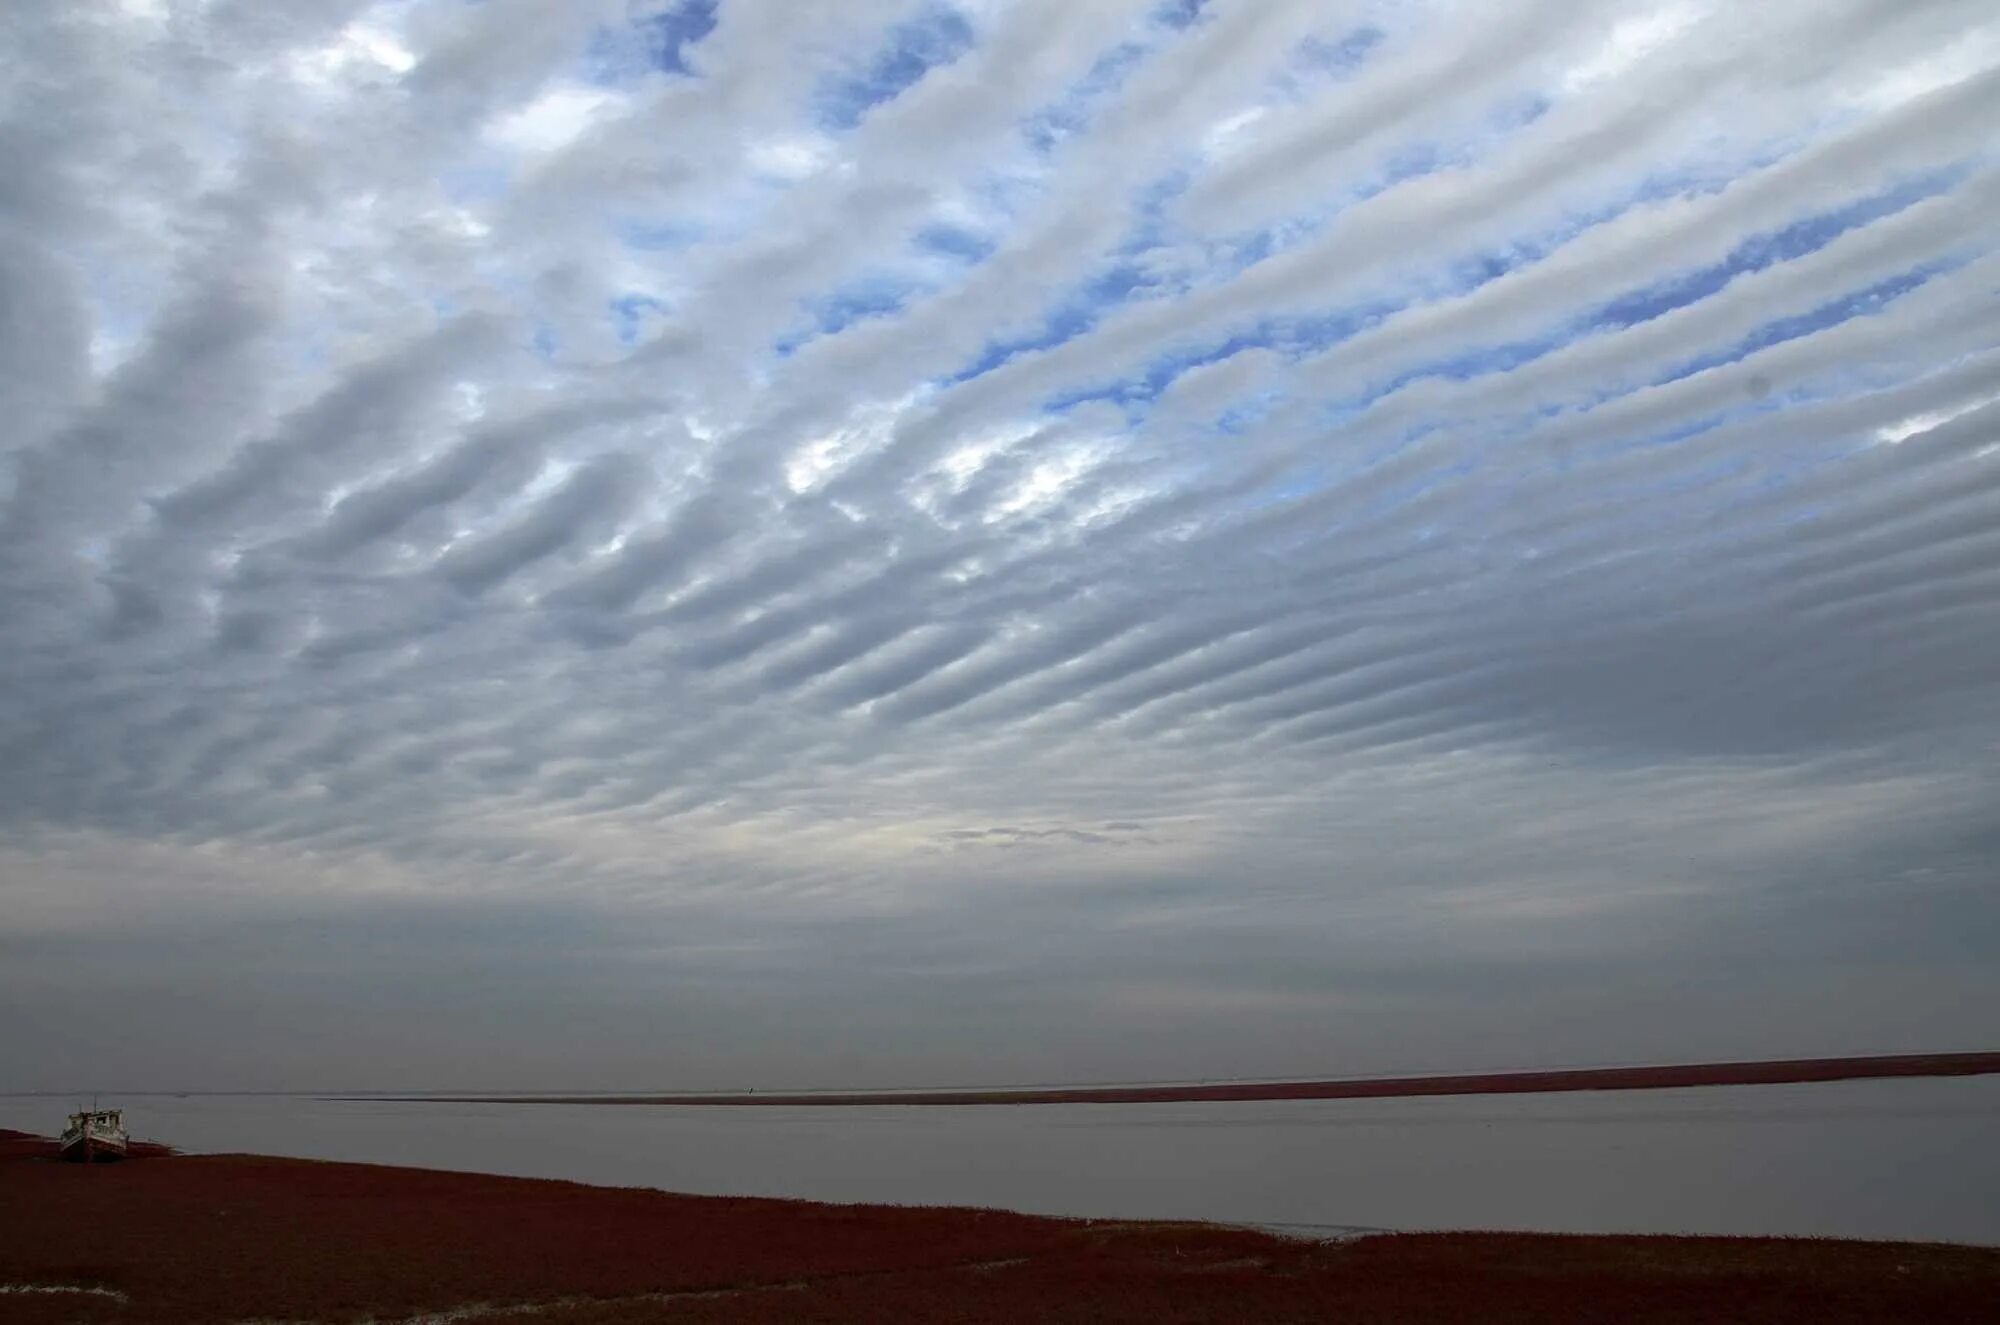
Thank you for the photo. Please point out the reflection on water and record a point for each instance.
(1884, 1159)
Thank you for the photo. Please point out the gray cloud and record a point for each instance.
(1310, 537)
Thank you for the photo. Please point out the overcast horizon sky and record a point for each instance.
(720, 543)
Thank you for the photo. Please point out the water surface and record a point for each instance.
(1915, 1158)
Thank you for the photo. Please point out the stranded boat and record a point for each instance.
(95, 1136)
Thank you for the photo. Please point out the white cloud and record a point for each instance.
(1967, 56)
(1629, 43)
(361, 51)
(791, 159)
(1905, 428)
(554, 119)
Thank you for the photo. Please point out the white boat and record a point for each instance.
(95, 1136)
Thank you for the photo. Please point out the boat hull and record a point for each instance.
(93, 1150)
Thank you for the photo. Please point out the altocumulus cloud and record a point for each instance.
(726, 541)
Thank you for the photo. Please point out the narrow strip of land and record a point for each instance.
(1762, 1073)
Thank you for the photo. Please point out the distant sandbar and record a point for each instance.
(1762, 1073)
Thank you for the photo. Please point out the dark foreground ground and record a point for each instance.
(241, 1238)
(1770, 1072)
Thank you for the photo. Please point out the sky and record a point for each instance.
(715, 543)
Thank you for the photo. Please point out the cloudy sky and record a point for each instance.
(648, 543)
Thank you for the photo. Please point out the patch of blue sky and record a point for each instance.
(1303, 335)
(1290, 336)
(1476, 269)
(1487, 360)
(1776, 468)
(1313, 334)
(1179, 13)
(629, 314)
(1688, 179)
(1795, 240)
(1077, 312)
(1112, 286)
(1415, 160)
(670, 32)
(1340, 57)
(1859, 303)
(937, 36)
(1240, 252)
(1069, 115)
(1130, 393)
(1293, 337)
(954, 242)
(1150, 227)
(1467, 274)
(871, 297)
(1131, 276)
(996, 195)
(1700, 175)
(657, 236)
(1684, 430)
(1245, 412)
(1521, 110)
(657, 41)
(1243, 249)
(1317, 61)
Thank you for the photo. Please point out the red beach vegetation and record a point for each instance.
(241, 1237)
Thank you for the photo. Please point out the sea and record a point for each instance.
(1904, 1158)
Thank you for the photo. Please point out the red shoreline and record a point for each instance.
(1757, 1073)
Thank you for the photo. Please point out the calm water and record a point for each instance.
(1879, 1159)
